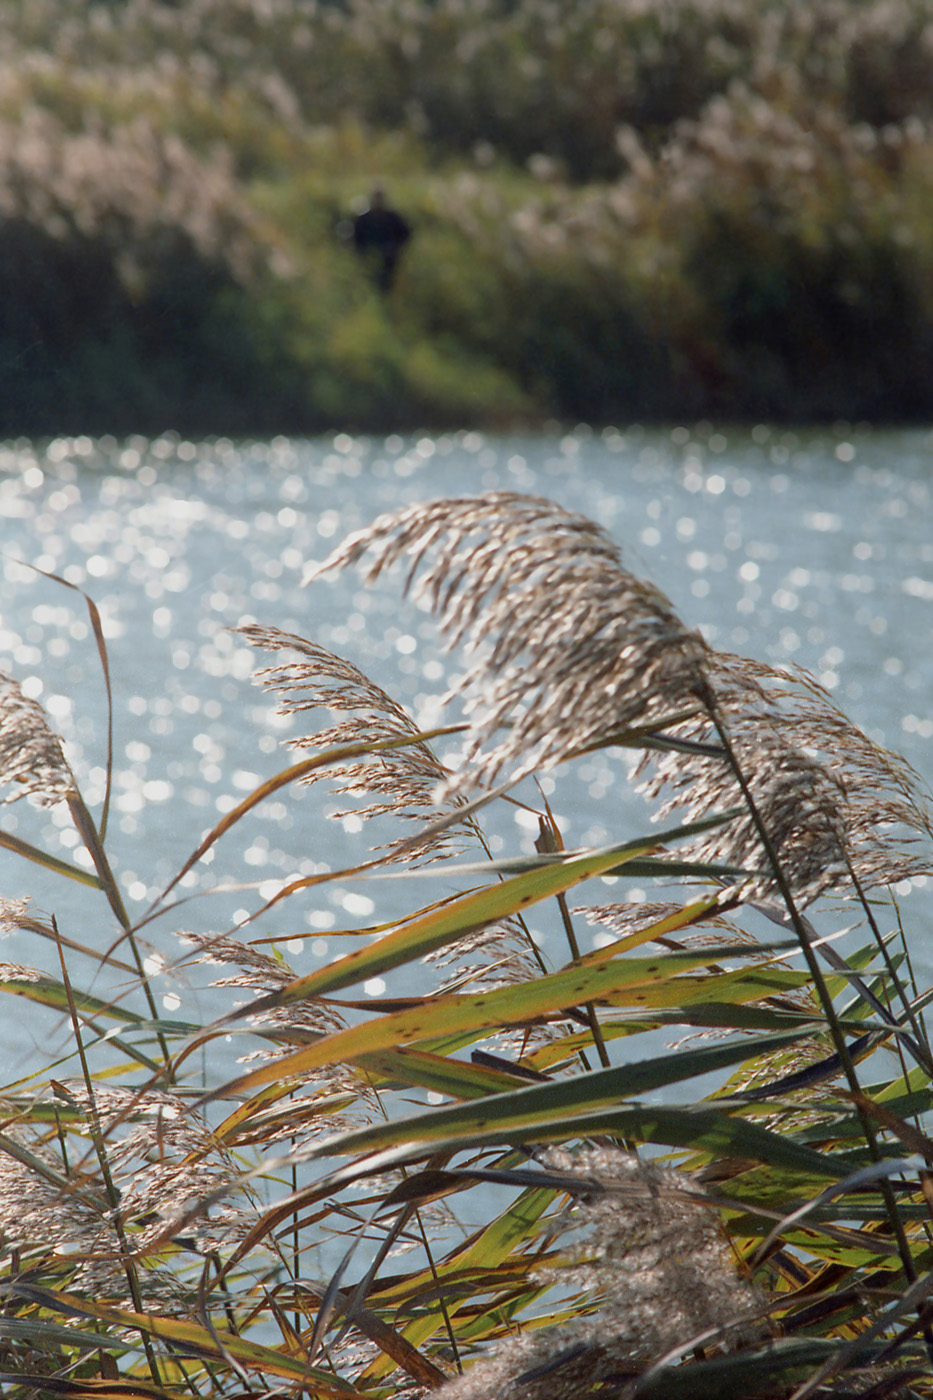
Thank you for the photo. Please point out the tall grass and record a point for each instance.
(690, 1162)
(708, 208)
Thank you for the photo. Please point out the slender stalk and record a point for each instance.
(92, 840)
(548, 842)
(819, 982)
(451, 1334)
(889, 966)
(913, 977)
(113, 1195)
(296, 1246)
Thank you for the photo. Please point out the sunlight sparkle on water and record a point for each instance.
(180, 542)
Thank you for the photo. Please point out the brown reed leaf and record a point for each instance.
(31, 757)
(567, 647)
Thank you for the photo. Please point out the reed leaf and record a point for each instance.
(441, 925)
(521, 1108)
(209, 1344)
(55, 863)
(637, 982)
(35, 986)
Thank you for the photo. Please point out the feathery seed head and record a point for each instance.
(409, 780)
(567, 647)
(163, 1163)
(31, 757)
(405, 778)
(654, 1260)
(831, 798)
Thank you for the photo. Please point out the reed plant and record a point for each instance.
(690, 1160)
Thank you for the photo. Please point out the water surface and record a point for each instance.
(812, 548)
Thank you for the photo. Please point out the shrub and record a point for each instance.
(706, 207)
(125, 258)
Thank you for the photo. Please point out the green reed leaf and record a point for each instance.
(637, 982)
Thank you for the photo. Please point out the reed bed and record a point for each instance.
(691, 1162)
(701, 209)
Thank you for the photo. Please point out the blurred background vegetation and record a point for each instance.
(622, 210)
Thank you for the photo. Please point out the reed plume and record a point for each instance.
(655, 1268)
(314, 1105)
(405, 779)
(567, 647)
(32, 763)
(835, 802)
(567, 650)
(632, 1289)
(409, 782)
(622, 920)
(57, 1212)
(15, 917)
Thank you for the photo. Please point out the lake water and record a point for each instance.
(816, 548)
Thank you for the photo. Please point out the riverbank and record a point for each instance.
(720, 210)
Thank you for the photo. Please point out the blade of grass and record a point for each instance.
(191, 1338)
(535, 1104)
(432, 929)
(47, 991)
(641, 982)
(700, 1128)
(54, 863)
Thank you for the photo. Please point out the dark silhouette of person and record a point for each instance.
(379, 235)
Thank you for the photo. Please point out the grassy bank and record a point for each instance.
(708, 207)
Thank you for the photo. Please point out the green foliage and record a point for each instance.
(712, 207)
(582, 1212)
